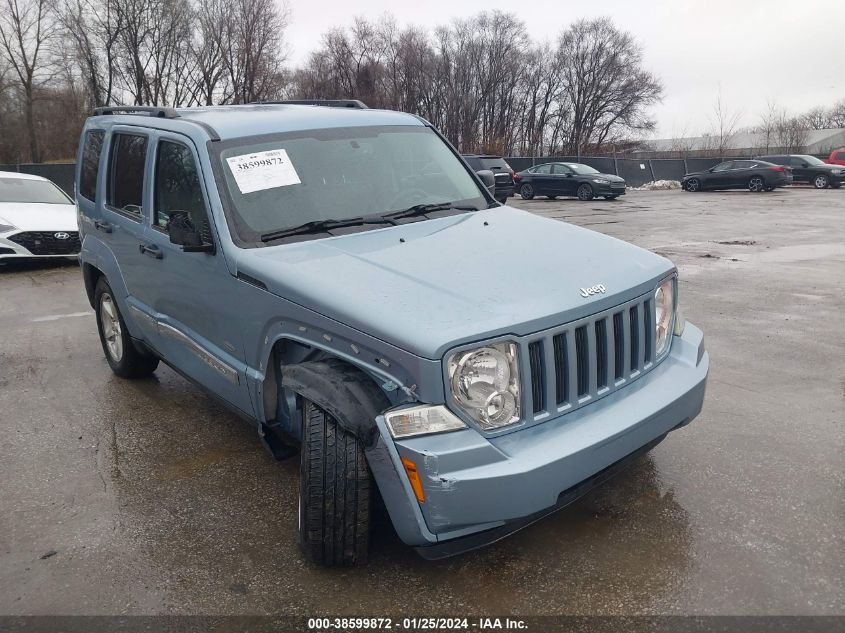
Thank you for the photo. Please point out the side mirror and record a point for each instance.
(488, 178)
(182, 231)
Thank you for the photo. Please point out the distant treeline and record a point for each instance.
(482, 80)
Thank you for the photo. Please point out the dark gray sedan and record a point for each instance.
(568, 179)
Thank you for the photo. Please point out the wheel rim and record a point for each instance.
(526, 190)
(584, 192)
(756, 184)
(692, 185)
(112, 332)
(821, 182)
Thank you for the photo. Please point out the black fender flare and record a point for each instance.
(345, 392)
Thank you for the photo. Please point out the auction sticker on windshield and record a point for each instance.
(263, 170)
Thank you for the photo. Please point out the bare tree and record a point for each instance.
(26, 27)
(208, 47)
(253, 52)
(607, 88)
(791, 134)
(724, 124)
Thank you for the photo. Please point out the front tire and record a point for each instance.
(335, 488)
(820, 181)
(527, 191)
(585, 192)
(756, 184)
(693, 185)
(122, 356)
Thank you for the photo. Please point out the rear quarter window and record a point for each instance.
(839, 156)
(90, 164)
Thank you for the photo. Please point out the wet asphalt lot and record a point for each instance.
(121, 497)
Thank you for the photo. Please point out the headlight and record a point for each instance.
(664, 309)
(422, 421)
(601, 181)
(485, 384)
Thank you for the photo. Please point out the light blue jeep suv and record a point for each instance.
(341, 278)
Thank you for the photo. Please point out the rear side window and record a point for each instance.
(494, 164)
(126, 173)
(177, 188)
(90, 164)
(839, 156)
(542, 169)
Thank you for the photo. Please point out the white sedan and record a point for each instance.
(37, 219)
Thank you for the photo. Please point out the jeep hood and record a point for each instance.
(457, 279)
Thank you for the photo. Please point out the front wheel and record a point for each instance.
(585, 192)
(335, 488)
(527, 191)
(756, 184)
(123, 358)
(692, 185)
(821, 181)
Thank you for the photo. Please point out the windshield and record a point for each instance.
(812, 160)
(581, 169)
(288, 180)
(27, 190)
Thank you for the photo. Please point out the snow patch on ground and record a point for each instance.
(658, 185)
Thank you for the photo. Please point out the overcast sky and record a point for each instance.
(756, 50)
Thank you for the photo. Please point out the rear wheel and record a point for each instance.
(335, 489)
(123, 358)
(821, 181)
(527, 191)
(756, 184)
(585, 192)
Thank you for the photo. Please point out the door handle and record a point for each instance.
(150, 249)
(105, 227)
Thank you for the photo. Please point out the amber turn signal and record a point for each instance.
(414, 478)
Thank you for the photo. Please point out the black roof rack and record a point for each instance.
(330, 103)
(159, 112)
(153, 111)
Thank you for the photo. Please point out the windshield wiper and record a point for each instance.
(422, 209)
(321, 226)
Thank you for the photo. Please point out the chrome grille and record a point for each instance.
(574, 364)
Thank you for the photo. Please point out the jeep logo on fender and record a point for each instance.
(587, 292)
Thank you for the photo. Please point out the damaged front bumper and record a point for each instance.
(479, 489)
